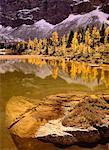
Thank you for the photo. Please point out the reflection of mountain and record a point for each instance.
(11, 66)
(69, 80)
(43, 71)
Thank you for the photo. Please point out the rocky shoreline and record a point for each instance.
(63, 119)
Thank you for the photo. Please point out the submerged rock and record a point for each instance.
(63, 119)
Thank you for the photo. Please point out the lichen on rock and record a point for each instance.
(62, 119)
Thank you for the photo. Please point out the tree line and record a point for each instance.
(89, 41)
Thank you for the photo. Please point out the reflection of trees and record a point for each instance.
(75, 69)
(37, 61)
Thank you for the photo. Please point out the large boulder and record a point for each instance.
(63, 119)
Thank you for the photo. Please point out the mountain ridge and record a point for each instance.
(82, 13)
(14, 13)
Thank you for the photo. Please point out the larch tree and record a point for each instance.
(88, 40)
(64, 44)
(55, 39)
(106, 35)
(30, 44)
(75, 43)
(95, 36)
(39, 47)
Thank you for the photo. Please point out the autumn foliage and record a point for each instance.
(88, 42)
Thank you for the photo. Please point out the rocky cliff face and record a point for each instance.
(40, 18)
(15, 13)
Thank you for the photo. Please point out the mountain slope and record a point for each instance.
(82, 13)
(38, 29)
(43, 29)
(75, 22)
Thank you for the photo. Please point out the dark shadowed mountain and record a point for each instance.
(39, 18)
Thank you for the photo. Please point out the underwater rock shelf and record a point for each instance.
(63, 119)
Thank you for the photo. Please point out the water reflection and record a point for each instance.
(87, 72)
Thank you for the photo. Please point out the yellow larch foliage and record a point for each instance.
(18, 45)
(85, 50)
(88, 40)
(55, 39)
(81, 48)
(49, 49)
(55, 69)
(64, 44)
(36, 41)
(80, 37)
(73, 71)
(95, 36)
(39, 47)
(79, 68)
(44, 41)
(102, 48)
(23, 44)
(95, 73)
(97, 48)
(31, 60)
(107, 31)
(31, 44)
(37, 61)
(106, 34)
(106, 78)
(75, 43)
(89, 49)
(84, 71)
(87, 72)
(63, 65)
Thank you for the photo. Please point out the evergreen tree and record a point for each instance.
(71, 34)
(102, 33)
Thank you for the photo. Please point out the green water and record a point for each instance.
(20, 84)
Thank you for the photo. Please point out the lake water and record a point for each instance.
(37, 78)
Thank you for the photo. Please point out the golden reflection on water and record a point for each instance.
(87, 72)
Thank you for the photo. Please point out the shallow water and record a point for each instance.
(37, 79)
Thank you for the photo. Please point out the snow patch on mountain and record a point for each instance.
(74, 22)
(70, 18)
(82, 18)
(101, 15)
(5, 35)
(39, 29)
(43, 24)
(92, 17)
(25, 14)
(5, 30)
(42, 28)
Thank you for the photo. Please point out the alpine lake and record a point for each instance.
(36, 78)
